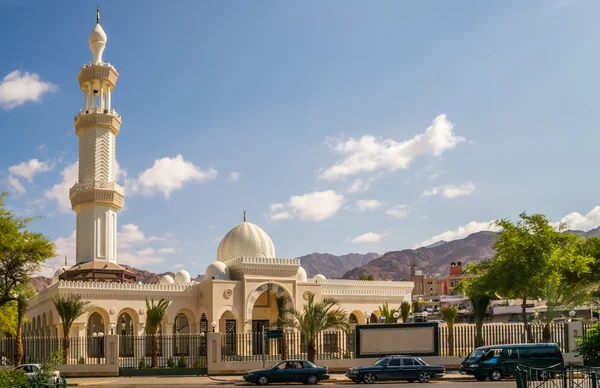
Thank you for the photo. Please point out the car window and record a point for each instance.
(408, 362)
(394, 362)
(543, 352)
(524, 353)
(35, 369)
(308, 364)
(380, 362)
(510, 353)
(419, 361)
(279, 366)
(27, 369)
(298, 365)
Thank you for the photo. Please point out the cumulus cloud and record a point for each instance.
(315, 206)
(29, 169)
(358, 185)
(461, 232)
(18, 87)
(168, 175)
(580, 221)
(368, 204)
(398, 211)
(233, 176)
(167, 250)
(60, 191)
(369, 237)
(369, 154)
(139, 259)
(451, 191)
(16, 185)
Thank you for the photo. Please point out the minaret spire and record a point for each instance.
(244, 215)
(97, 14)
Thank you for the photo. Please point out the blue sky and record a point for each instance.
(449, 115)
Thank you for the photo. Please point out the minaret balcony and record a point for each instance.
(97, 117)
(96, 72)
(97, 192)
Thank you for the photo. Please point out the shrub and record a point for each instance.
(47, 369)
(81, 360)
(142, 364)
(182, 362)
(589, 344)
(197, 364)
(13, 378)
(170, 363)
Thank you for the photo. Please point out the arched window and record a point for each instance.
(203, 324)
(352, 319)
(125, 330)
(181, 329)
(95, 332)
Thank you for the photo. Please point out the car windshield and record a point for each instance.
(380, 362)
(310, 364)
(420, 361)
(477, 353)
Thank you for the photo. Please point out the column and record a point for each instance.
(108, 93)
(92, 86)
(102, 95)
(213, 352)
(85, 97)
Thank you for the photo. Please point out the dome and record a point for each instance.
(217, 271)
(182, 277)
(167, 279)
(59, 272)
(97, 40)
(320, 278)
(301, 275)
(245, 239)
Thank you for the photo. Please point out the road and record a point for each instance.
(438, 384)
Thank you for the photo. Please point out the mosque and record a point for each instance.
(239, 289)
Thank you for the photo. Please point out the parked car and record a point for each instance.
(406, 368)
(33, 369)
(289, 371)
(499, 361)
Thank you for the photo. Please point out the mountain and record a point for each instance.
(332, 266)
(437, 244)
(588, 234)
(432, 260)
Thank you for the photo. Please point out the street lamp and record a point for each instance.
(112, 328)
(213, 324)
(425, 314)
(396, 316)
(367, 316)
(572, 313)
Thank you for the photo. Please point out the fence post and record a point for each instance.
(593, 378)
(213, 352)
(111, 351)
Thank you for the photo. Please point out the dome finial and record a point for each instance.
(97, 14)
(97, 39)
(244, 215)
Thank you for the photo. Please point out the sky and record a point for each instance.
(339, 126)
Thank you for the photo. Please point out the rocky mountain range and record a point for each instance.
(332, 266)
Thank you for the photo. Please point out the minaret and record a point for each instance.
(96, 197)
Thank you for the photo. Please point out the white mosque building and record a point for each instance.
(239, 289)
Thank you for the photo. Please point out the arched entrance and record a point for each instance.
(125, 328)
(181, 329)
(95, 332)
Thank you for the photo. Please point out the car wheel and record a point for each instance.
(262, 380)
(312, 380)
(496, 375)
(424, 377)
(369, 378)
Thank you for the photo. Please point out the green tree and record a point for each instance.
(22, 306)
(21, 252)
(8, 319)
(69, 308)
(588, 345)
(365, 277)
(317, 317)
(405, 311)
(449, 315)
(281, 301)
(479, 294)
(387, 313)
(154, 317)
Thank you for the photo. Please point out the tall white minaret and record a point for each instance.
(96, 197)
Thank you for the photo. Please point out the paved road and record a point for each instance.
(438, 384)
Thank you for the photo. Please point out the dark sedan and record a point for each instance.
(290, 371)
(406, 368)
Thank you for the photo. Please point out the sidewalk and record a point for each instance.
(336, 378)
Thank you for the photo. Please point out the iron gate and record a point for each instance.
(557, 376)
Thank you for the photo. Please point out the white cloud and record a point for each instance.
(130, 234)
(315, 206)
(369, 237)
(398, 211)
(42, 148)
(16, 184)
(358, 185)
(461, 232)
(451, 191)
(140, 258)
(276, 206)
(370, 154)
(167, 250)
(65, 246)
(29, 169)
(580, 221)
(233, 176)
(18, 87)
(168, 175)
(368, 204)
(178, 266)
(60, 191)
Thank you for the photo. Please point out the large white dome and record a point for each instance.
(245, 239)
(217, 271)
(301, 275)
(59, 272)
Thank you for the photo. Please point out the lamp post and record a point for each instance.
(367, 316)
(572, 314)
(396, 316)
(112, 328)
(213, 324)
(425, 314)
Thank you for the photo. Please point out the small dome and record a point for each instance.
(245, 240)
(167, 279)
(217, 271)
(301, 275)
(97, 40)
(320, 278)
(182, 277)
(59, 272)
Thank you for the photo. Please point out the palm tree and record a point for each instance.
(561, 296)
(281, 302)
(316, 318)
(154, 317)
(405, 311)
(387, 313)
(449, 315)
(22, 306)
(69, 308)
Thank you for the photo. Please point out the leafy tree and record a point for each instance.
(317, 317)
(21, 252)
(365, 277)
(387, 313)
(405, 311)
(449, 315)
(281, 301)
(478, 292)
(22, 306)
(154, 317)
(588, 345)
(8, 319)
(69, 308)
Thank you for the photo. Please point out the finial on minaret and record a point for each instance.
(65, 259)
(244, 215)
(97, 39)
(97, 14)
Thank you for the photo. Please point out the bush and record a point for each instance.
(197, 364)
(589, 344)
(182, 362)
(142, 364)
(47, 369)
(81, 360)
(13, 378)
(170, 363)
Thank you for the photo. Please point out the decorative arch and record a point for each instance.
(278, 289)
(182, 324)
(234, 312)
(357, 317)
(189, 314)
(96, 324)
(135, 317)
(126, 330)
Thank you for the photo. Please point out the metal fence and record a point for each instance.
(249, 347)
(174, 351)
(36, 350)
(497, 334)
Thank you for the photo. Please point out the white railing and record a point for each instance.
(100, 185)
(373, 283)
(126, 286)
(363, 292)
(261, 260)
(96, 110)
